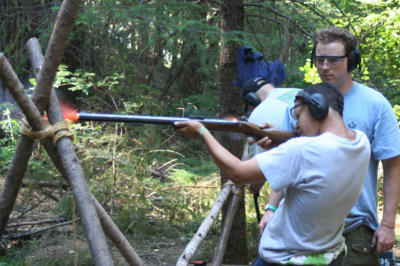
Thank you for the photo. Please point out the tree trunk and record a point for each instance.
(193, 77)
(232, 14)
(286, 47)
(18, 21)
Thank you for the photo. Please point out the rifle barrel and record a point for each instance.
(146, 119)
(277, 136)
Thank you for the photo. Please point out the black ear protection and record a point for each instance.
(251, 98)
(316, 103)
(249, 90)
(353, 59)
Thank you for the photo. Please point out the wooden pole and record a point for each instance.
(117, 237)
(220, 251)
(205, 226)
(19, 163)
(64, 22)
(54, 113)
(96, 238)
(55, 48)
(74, 172)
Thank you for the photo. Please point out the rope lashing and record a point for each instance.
(238, 190)
(56, 131)
(227, 183)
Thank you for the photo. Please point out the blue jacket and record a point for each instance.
(251, 65)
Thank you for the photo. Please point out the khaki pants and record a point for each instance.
(359, 250)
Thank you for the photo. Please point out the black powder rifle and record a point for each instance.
(277, 136)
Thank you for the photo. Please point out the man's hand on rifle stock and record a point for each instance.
(265, 142)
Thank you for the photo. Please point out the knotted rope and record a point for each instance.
(237, 190)
(56, 131)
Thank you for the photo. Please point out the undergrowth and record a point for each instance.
(156, 186)
(153, 183)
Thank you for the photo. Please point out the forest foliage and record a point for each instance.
(162, 58)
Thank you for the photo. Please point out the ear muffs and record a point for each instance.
(353, 59)
(312, 55)
(316, 103)
(251, 99)
(249, 90)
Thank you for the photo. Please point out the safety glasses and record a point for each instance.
(293, 113)
(332, 61)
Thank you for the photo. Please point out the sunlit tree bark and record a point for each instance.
(232, 14)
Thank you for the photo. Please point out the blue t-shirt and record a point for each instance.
(367, 110)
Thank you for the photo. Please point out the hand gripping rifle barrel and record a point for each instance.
(276, 135)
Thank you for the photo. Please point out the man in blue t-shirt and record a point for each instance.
(335, 55)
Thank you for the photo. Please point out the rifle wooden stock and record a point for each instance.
(252, 130)
(276, 135)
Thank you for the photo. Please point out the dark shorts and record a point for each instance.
(359, 250)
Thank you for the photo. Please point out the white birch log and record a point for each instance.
(230, 215)
(205, 226)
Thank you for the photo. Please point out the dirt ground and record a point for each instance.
(57, 248)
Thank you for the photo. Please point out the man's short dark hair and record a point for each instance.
(332, 34)
(332, 95)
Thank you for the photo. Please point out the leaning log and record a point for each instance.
(24, 148)
(220, 251)
(19, 163)
(96, 238)
(117, 237)
(62, 28)
(54, 113)
(205, 226)
(55, 49)
(74, 172)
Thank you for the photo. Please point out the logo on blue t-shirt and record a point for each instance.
(352, 124)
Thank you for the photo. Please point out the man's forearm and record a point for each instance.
(391, 190)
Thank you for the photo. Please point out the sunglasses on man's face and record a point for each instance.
(332, 61)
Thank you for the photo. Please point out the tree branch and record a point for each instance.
(314, 10)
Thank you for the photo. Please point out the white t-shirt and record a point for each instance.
(322, 178)
(367, 110)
